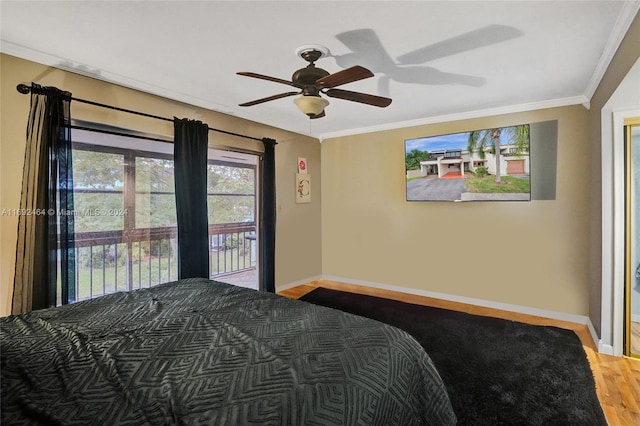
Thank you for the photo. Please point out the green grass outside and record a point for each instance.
(508, 184)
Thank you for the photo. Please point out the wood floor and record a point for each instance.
(617, 379)
(635, 338)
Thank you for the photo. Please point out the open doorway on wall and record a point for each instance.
(232, 182)
(623, 104)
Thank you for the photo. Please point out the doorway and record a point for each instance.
(632, 237)
(232, 189)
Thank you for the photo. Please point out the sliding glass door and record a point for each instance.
(125, 231)
(632, 237)
(232, 181)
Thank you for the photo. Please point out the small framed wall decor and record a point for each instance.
(303, 182)
(302, 165)
(303, 188)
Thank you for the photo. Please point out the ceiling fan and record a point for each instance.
(313, 81)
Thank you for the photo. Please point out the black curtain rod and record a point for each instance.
(24, 89)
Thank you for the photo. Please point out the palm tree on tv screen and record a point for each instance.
(515, 135)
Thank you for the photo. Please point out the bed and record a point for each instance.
(197, 351)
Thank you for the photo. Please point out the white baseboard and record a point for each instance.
(561, 316)
(594, 334)
(635, 317)
(605, 349)
(297, 283)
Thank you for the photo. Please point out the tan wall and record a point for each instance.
(296, 223)
(532, 254)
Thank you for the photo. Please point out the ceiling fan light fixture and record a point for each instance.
(311, 105)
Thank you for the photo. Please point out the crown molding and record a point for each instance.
(68, 65)
(553, 103)
(622, 25)
(620, 28)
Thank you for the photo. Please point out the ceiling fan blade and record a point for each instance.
(322, 114)
(270, 98)
(266, 77)
(349, 75)
(363, 98)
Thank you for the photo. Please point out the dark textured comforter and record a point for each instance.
(201, 352)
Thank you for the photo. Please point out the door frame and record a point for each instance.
(613, 232)
(628, 268)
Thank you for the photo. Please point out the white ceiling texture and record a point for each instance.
(437, 60)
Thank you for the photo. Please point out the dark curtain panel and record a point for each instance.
(46, 230)
(267, 232)
(62, 173)
(190, 172)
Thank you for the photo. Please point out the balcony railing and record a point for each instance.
(111, 261)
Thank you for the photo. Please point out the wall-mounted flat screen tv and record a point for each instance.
(479, 165)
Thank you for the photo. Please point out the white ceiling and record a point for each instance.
(437, 60)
